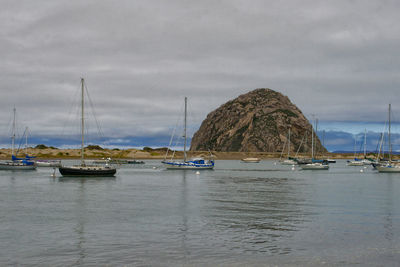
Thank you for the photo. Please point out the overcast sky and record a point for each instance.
(336, 59)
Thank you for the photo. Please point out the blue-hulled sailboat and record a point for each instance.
(193, 164)
(17, 163)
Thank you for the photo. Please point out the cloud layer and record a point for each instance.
(338, 60)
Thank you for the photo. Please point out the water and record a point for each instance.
(238, 214)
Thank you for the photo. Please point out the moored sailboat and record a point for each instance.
(288, 160)
(17, 163)
(390, 166)
(194, 163)
(48, 163)
(251, 160)
(357, 161)
(315, 164)
(84, 169)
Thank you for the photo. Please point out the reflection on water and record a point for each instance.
(388, 211)
(80, 216)
(82, 180)
(234, 215)
(184, 228)
(255, 212)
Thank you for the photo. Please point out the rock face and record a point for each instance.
(258, 121)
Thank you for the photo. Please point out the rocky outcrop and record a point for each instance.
(255, 122)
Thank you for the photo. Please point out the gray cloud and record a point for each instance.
(335, 59)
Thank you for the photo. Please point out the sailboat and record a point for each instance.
(380, 161)
(389, 166)
(84, 169)
(251, 160)
(289, 160)
(17, 163)
(195, 163)
(315, 164)
(357, 161)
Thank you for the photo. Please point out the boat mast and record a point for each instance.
(288, 149)
(390, 145)
(13, 134)
(316, 136)
(82, 122)
(26, 140)
(184, 132)
(312, 142)
(365, 143)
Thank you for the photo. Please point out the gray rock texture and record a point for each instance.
(255, 122)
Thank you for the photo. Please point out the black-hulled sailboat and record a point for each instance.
(84, 169)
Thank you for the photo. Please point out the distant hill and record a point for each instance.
(360, 154)
(255, 122)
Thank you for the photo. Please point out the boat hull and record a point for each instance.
(135, 162)
(186, 166)
(48, 163)
(87, 171)
(16, 166)
(355, 163)
(250, 160)
(388, 169)
(288, 162)
(314, 166)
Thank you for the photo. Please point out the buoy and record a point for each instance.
(274, 163)
(154, 167)
(197, 172)
(293, 168)
(361, 170)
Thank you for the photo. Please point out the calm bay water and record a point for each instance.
(237, 214)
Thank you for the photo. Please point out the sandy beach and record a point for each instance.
(53, 153)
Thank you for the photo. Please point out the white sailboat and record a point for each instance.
(48, 163)
(314, 165)
(390, 166)
(357, 161)
(288, 161)
(251, 160)
(17, 163)
(84, 169)
(194, 163)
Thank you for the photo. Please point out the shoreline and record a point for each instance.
(54, 153)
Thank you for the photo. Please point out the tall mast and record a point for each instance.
(13, 134)
(184, 132)
(365, 143)
(380, 145)
(26, 140)
(312, 142)
(316, 136)
(288, 150)
(390, 144)
(82, 121)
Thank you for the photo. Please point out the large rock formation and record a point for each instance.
(258, 121)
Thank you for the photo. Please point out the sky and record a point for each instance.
(336, 60)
